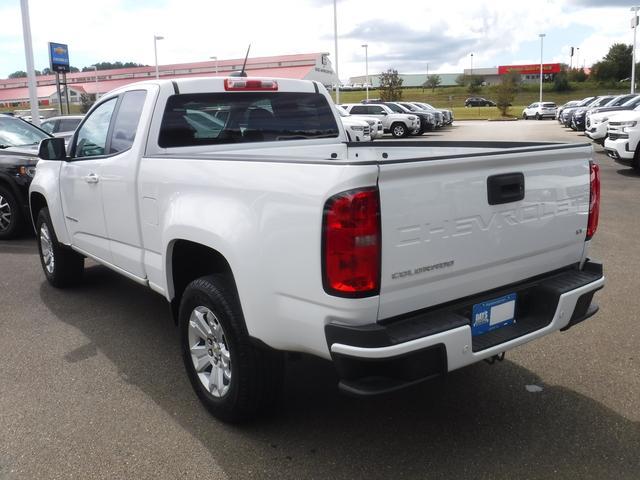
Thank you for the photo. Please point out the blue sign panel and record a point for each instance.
(59, 57)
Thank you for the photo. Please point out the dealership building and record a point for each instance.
(491, 76)
(14, 92)
(528, 73)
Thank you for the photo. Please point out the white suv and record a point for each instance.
(540, 110)
(623, 138)
(398, 124)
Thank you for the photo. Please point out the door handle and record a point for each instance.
(92, 178)
(505, 188)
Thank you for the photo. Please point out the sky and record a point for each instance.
(409, 36)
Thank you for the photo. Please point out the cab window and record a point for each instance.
(91, 139)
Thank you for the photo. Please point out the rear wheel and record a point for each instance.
(11, 217)
(234, 378)
(399, 130)
(62, 266)
(538, 116)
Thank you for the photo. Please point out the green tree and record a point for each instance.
(561, 82)
(576, 75)
(474, 84)
(432, 82)
(615, 65)
(506, 92)
(390, 86)
(461, 80)
(18, 74)
(86, 101)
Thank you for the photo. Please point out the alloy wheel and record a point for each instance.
(46, 249)
(5, 213)
(209, 351)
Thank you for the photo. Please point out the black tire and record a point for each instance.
(65, 267)
(399, 130)
(256, 373)
(525, 117)
(538, 117)
(11, 217)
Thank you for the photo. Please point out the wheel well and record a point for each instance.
(189, 261)
(37, 203)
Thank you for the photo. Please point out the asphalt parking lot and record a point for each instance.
(92, 383)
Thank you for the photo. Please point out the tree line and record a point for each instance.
(99, 65)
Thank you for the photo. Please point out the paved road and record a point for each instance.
(92, 385)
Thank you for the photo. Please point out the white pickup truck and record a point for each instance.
(241, 201)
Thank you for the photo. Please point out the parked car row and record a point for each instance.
(608, 120)
(401, 119)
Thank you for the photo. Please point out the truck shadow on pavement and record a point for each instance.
(479, 423)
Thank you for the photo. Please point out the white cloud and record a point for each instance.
(442, 34)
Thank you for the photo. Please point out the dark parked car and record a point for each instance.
(478, 102)
(427, 121)
(567, 113)
(19, 141)
(579, 114)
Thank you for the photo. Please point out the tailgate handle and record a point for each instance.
(505, 188)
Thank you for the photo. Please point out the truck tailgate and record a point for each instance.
(445, 237)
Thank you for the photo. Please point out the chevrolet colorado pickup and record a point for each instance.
(241, 201)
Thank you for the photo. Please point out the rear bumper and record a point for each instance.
(378, 358)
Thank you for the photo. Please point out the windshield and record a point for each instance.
(632, 102)
(601, 101)
(396, 108)
(549, 105)
(408, 106)
(342, 111)
(18, 133)
(586, 102)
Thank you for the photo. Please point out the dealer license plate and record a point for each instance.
(493, 314)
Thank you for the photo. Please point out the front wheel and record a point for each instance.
(234, 378)
(399, 130)
(62, 266)
(525, 117)
(11, 218)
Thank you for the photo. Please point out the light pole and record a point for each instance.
(95, 68)
(366, 63)
(577, 57)
(471, 75)
(634, 25)
(216, 59)
(542, 35)
(155, 51)
(335, 40)
(31, 72)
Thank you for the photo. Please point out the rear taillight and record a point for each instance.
(594, 200)
(351, 243)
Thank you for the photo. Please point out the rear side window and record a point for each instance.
(68, 124)
(126, 122)
(359, 110)
(222, 118)
(49, 126)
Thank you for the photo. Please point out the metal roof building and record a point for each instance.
(410, 79)
(308, 66)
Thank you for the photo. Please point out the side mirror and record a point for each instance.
(384, 113)
(52, 149)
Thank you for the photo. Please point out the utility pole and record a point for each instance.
(335, 40)
(366, 63)
(31, 72)
(155, 52)
(634, 25)
(542, 35)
